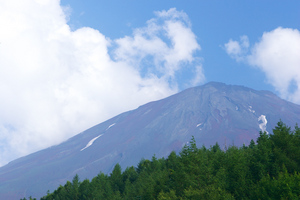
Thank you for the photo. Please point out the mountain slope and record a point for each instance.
(212, 113)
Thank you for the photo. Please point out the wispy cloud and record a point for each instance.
(55, 82)
(277, 54)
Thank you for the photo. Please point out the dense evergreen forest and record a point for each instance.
(266, 169)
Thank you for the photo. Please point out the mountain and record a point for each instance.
(214, 112)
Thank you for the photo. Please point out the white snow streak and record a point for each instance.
(263, 124)
(90, 142)
(200, 126)
(93, 140)
(110, 126)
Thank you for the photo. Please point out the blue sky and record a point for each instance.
(213, 22)
(68, 65)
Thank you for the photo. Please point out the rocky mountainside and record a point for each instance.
(214, 112)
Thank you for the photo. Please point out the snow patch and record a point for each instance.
(250, 109)
(110, 126)
(91, 142)
(201, 125)
(263, 124)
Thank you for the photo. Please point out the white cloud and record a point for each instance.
(237, 50)
(55, 82)
(168, 39)
(277, 54)
(233, 47)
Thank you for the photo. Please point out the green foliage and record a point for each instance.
(285, 186)
(267, 169)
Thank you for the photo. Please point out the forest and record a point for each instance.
(266, 169)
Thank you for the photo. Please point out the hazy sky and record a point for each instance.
(68, 65)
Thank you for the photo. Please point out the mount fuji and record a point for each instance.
(214, 112)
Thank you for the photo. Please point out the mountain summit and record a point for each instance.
(214, 112)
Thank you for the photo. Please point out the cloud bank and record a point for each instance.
(55, 82)
(277, 54)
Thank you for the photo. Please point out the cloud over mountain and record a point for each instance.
(277, 54)
(167, 39)
(56, 82)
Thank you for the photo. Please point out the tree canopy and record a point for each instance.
(266, 169)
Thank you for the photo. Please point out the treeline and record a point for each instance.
(267, 169)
